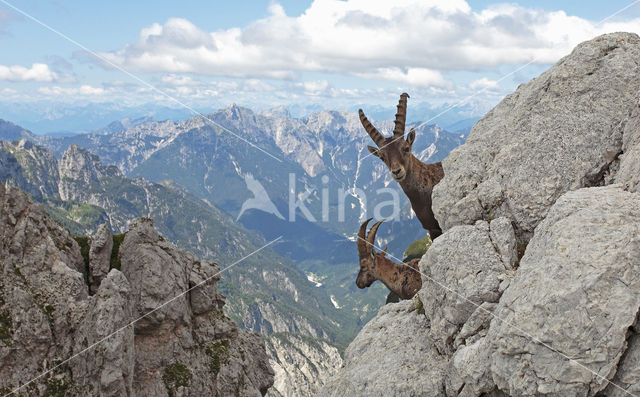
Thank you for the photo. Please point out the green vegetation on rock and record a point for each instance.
(114, 262)
(5, 327)
(417, 248)
(56, 388)
(80, 219)
(219, 353)
(417, 303)
(83, 242)
(176, 375)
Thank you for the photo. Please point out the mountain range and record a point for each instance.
(189, 176)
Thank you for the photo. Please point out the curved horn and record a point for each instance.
(371, 130)
(362, 239)
(401, 116)
(371, 238)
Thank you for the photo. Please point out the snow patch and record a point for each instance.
(314, 278)
(335, 302)
(237, 167)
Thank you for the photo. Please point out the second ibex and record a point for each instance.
(416, 178)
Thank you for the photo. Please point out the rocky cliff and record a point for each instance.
(265, 293)
(301, 364)
(60, 337)
(534, 287)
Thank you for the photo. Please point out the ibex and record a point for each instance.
(416, 178)
(403, 279)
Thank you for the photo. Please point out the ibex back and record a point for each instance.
(403, 279)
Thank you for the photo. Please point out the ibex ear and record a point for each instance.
(411, 136)
(374, 151)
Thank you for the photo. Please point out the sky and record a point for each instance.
(333, 54)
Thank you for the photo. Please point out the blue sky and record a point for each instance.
(328, 53)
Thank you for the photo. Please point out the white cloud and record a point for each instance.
(38, 72)
(315, 88)
(483, 83)
(417, 77)
(83, 90)
(179, 80)
(406, 41)
(257, 85)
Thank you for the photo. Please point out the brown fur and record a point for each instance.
(403, 279)
(416, 178)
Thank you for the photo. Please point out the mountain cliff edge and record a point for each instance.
(534, 287)
(81, 312)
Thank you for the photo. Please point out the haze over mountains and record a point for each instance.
(59, 118)
(189, 175)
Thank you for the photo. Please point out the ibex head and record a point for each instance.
(367, 254)
(394, 151)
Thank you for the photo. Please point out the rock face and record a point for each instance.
(40, 165)
(393, 355)
(99, 256)
(576, 294)
(114, 342)
(302, 365)
(560, 132)
(463, 272)
(534, 288)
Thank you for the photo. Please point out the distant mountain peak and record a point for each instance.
(235, 113)
(12, 132)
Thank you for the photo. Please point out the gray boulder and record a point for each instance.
(392, 355)
(463, 269)
(560, 132)
(107, 365)
(99, 256)
(567, 314)
(160, 272)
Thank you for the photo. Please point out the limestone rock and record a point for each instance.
(302, 365)
(629, 161)
(106, 365)
(203, 298)
(114, 342)
(99, 256)
(42, 295)
(559, 132)
(392, 355)
(627, 379)
(159, 272)
(555, 165)
(183, 340)
(575, 295)
(461, 270)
